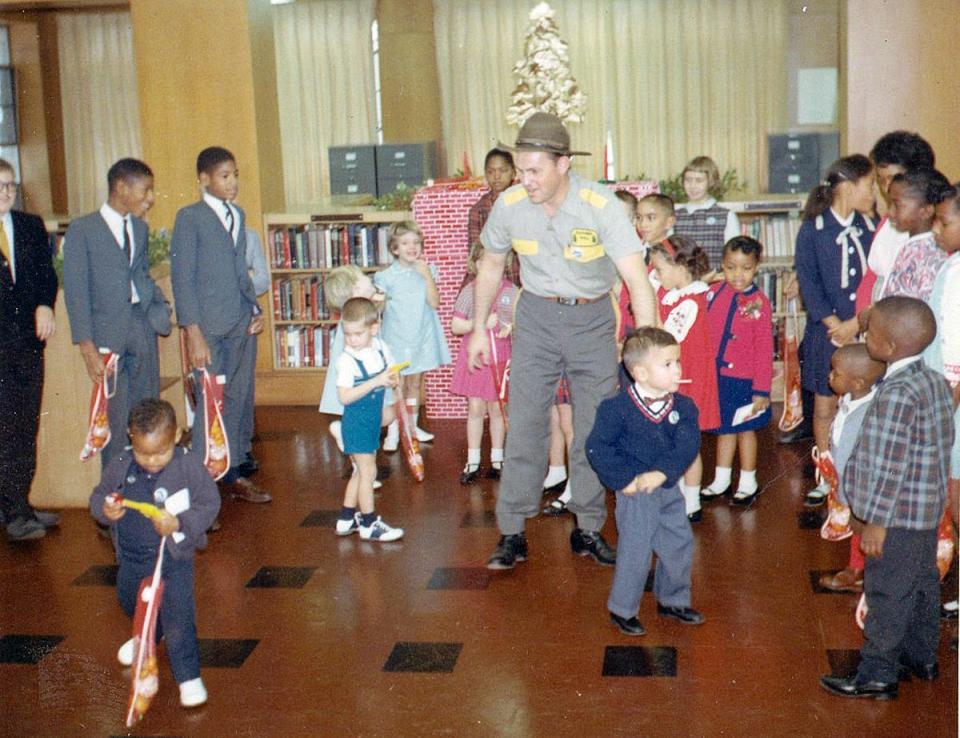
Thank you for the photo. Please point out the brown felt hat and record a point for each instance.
(543, 132)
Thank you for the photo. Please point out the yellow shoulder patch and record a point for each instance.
(593, 198)
(513, 196)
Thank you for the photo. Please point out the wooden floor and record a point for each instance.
(307, 634)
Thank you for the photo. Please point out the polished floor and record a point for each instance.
(307, 634)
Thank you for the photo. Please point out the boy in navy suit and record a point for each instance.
(28, 291)
(113, 303)
(216, 303)
(642, 442)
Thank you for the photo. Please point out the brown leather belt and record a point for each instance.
(570, 301)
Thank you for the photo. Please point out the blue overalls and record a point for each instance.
(361, 419)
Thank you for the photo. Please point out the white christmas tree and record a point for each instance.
(544, 81)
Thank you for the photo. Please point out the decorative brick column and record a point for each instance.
(441, 211)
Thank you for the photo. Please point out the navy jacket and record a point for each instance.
(627, 441)
(36, 283)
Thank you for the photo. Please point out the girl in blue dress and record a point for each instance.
(411, 326)
(831, 259)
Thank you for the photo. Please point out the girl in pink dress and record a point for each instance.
(679, 263)
(482, 388)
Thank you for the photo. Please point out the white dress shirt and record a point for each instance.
(220, 207)
(116, 223)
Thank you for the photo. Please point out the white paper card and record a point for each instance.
(745, 413)
(178, 502)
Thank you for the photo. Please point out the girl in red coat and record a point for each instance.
(679, 263)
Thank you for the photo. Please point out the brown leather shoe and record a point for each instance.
(244, 489)
(845, 580)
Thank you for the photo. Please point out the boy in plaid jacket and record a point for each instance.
(896, 484)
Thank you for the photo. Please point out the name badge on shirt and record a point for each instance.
(711, 220)
(525, 247)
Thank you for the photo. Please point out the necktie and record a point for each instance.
(5, 247)
(226, 206)
(126, 241)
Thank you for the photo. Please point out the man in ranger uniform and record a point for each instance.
(572, 237)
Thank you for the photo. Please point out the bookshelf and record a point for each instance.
(301, 249)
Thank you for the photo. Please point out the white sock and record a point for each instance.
(691, 497)
(555, 475)
(748, 481)
(567, 494)
(473, 457)
(496, 455)
(721, 479)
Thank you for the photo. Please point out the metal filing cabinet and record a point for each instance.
(410, 164)
(353, 169)
(798, 161)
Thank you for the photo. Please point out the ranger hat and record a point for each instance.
(543, 132)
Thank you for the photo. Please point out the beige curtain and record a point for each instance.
(671, 79)
(101, 116)
(324, 88)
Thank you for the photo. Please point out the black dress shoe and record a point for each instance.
(802, 432)
(245, 490)
(494, 471)
(469, 477)
(926, 672)
(627, 626)
(686, 615)
(948, 613)
(707, 494)
(696, 516)
(25, 529)
(739, 500)
(815, 497)
(850, 687)
(590, 543)
(555, 489)
(509, 551)
(556, 507)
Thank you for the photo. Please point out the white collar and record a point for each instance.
(113, 218)
(216, 203)
(925, 236)
(894, 367)
(850, 405)
(674, 296)
(843, 221)
(692, 207)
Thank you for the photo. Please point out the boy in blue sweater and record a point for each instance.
(641, 443)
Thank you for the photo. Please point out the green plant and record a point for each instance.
(729, 183)
(158, 247)
(400, 199)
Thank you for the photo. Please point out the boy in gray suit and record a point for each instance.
(216, 303)
(113, 303)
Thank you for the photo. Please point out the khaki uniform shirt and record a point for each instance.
(570, 254)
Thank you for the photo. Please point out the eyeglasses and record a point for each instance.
(8, 186)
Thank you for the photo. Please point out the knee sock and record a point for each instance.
(748, 481)
(721, 479)
(496, 457)
(555, 475)
(691, 496)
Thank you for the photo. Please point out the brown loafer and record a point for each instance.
(845, 580)
(245, 490)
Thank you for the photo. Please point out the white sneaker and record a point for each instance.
(346, 527)
(336, 431)
(125, 653)
(422, 435)
(380, 531)
(392, 440)
(193, 693)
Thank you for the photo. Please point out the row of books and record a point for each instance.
(777, 233)
(299, 298)
(299, 347)
(771, 282)
(327, 246)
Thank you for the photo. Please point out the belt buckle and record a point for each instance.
(568, 301)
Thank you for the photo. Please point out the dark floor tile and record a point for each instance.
(26, 649)
(423, 657)
(321, 519)
(98, 576)
(225, 653)
(459, 578)
(640, 661)
(810, 519)
(843, 663)
(289, 577)
(479, 519)
(815, 582)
